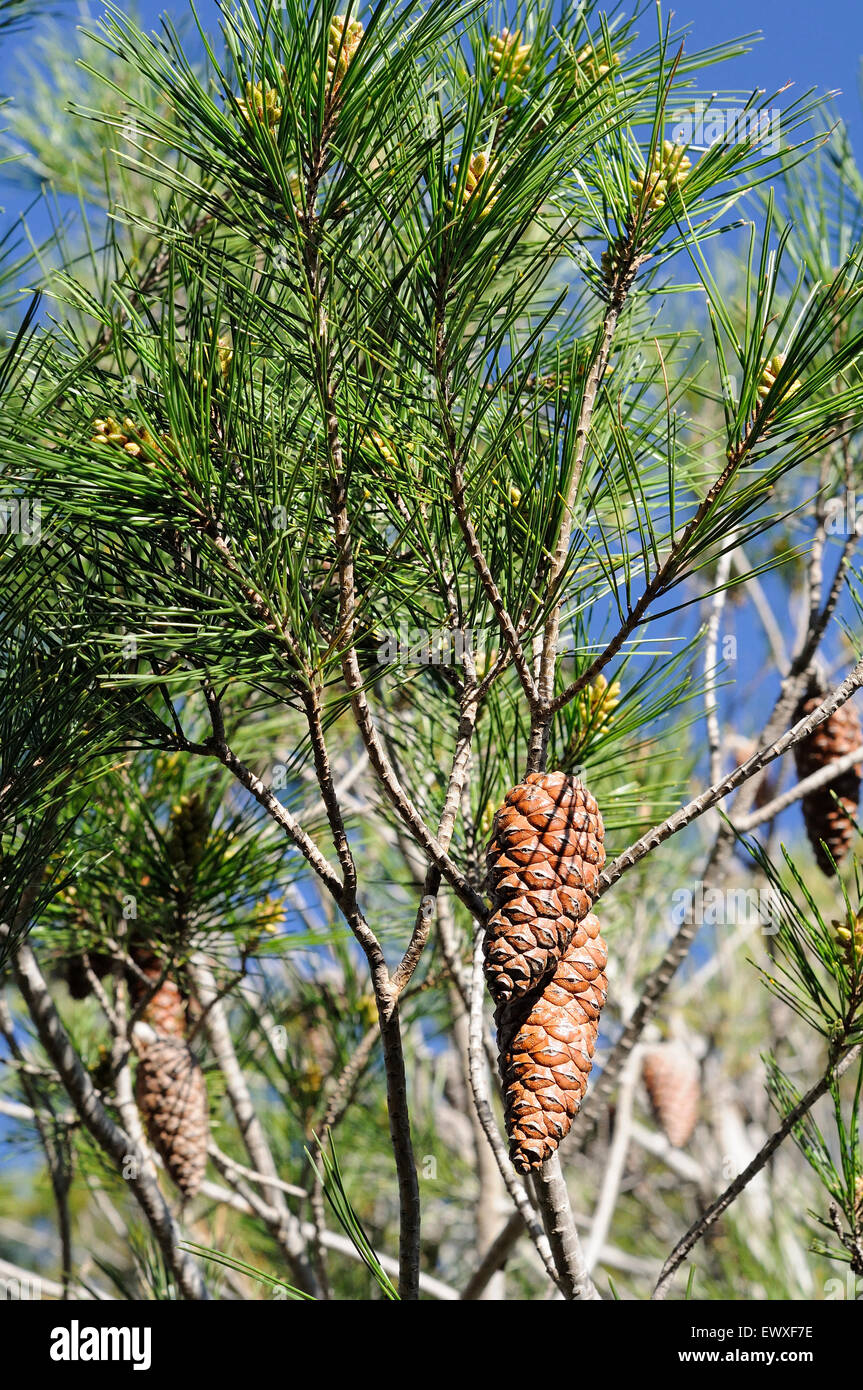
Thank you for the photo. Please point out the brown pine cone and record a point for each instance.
(544, 957)
(546, 1041)
(825, 818)
(673, 1080)
(166, 1011)
(171, 1094)
(544, 862)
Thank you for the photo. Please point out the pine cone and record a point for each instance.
(544, 957)
(673, 1080)
(547, 1040)
(825, 818)
(171, 1094)
(166, 1010)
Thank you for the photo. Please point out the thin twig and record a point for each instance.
(762, 606)
(716, 793)
(822, 778)
(244, 1200)
(248, 1123)
(615, 1164)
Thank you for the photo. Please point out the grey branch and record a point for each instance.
(716, 793)
(254, 1139)
(822, 778)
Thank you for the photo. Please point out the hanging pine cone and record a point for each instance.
(171, 1094)
(829, 812)
(544, 957)
(673, 1080)
(166, 1009)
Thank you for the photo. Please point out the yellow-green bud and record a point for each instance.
(480, 176)
(667, 170)
(342, 43)
(132, 439)
(592, 63)
(769, 373)
(264, 101)
(596, 703)
(848, 936)
(382, 447)
(509, 59)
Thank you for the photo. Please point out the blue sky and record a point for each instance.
(811, 45)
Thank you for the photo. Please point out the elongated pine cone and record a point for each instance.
(825, 818)
(171, 1094)
(166, 1010)
(544, 957)
(673, 1080)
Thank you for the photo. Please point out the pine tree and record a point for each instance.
(376, 483)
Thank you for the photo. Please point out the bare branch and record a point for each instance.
(695, 808)
(822, 778)
(249, 1125)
